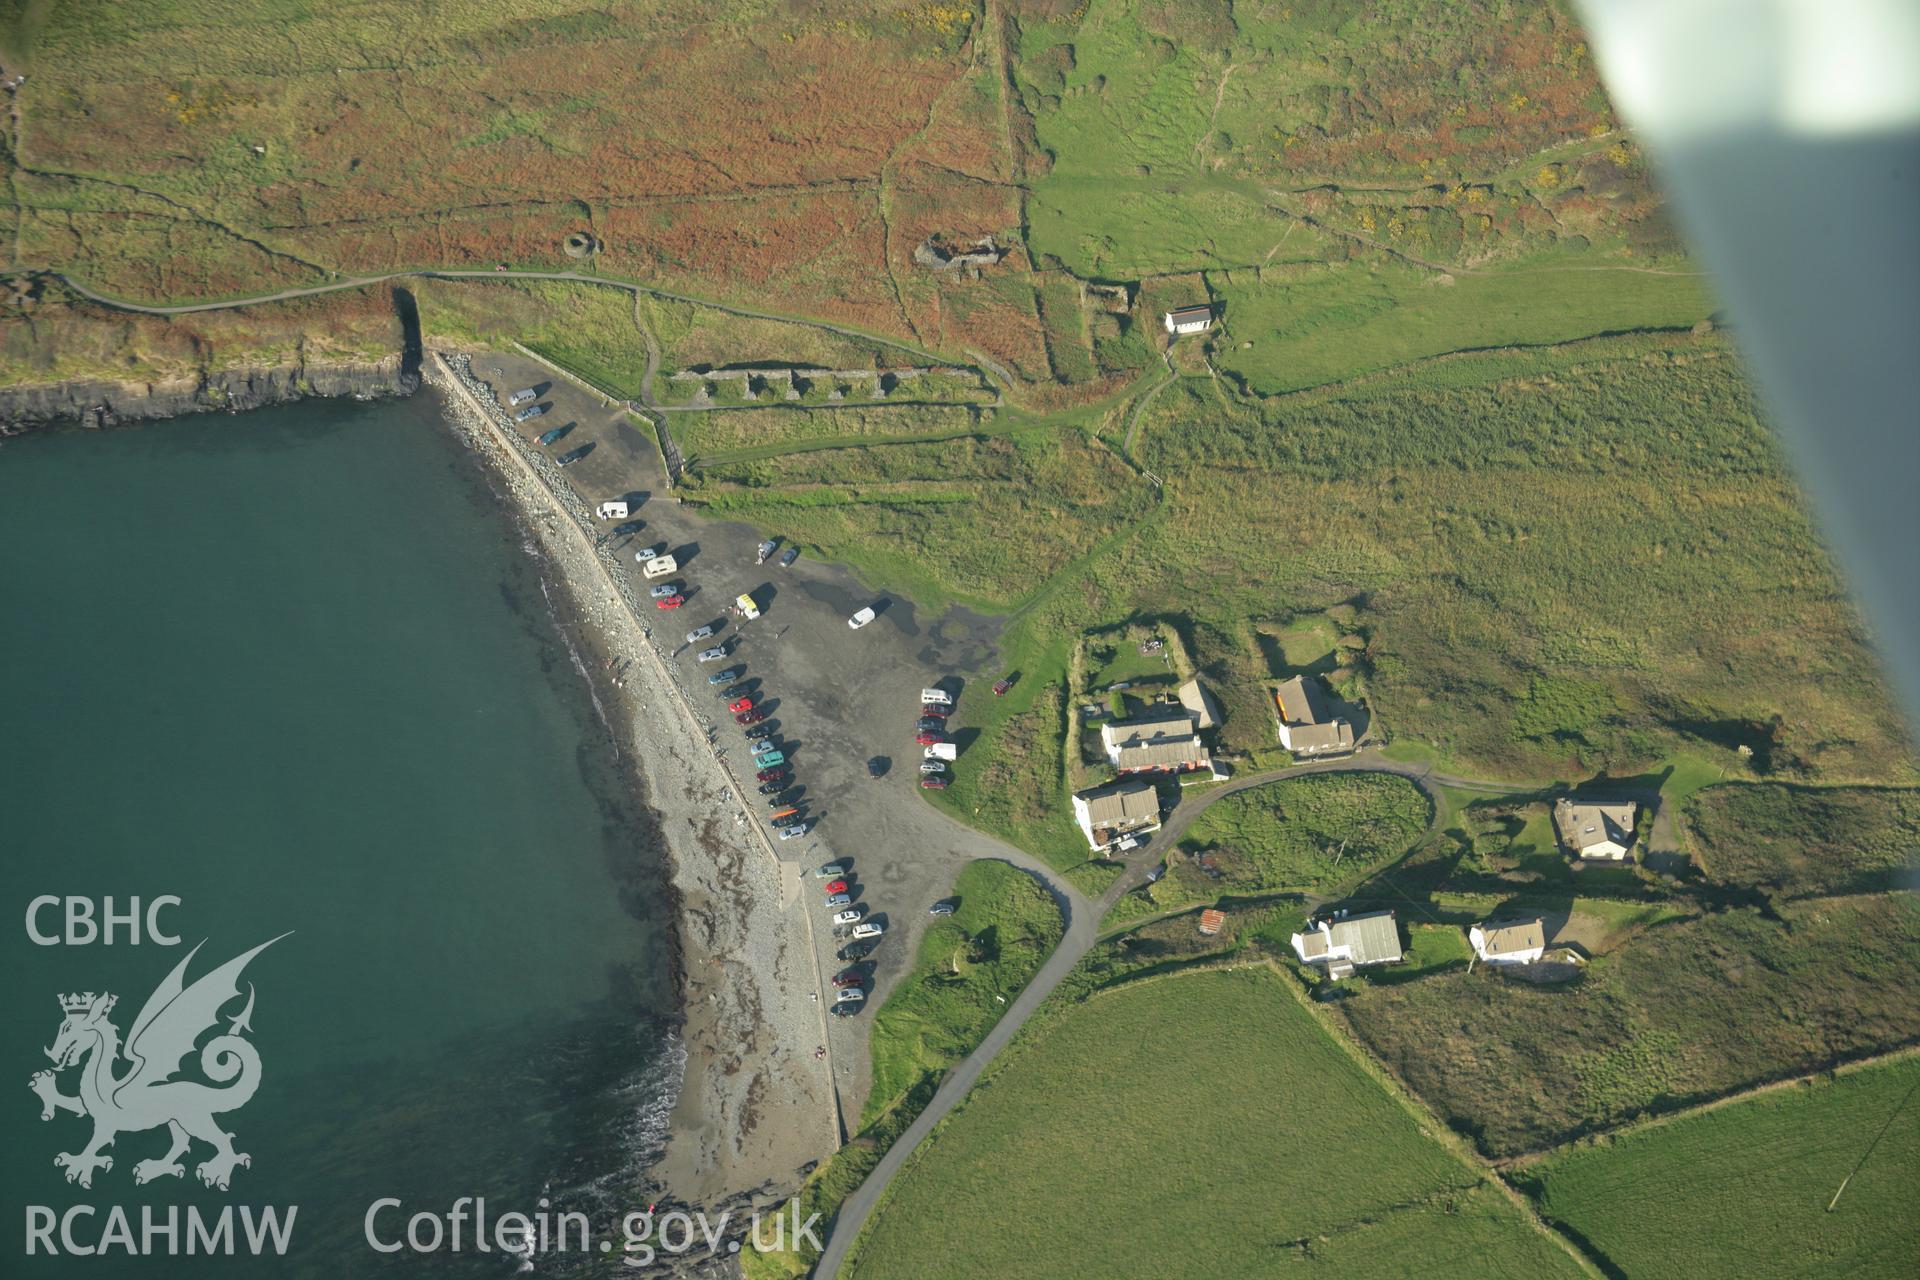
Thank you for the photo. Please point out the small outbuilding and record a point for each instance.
(1194, 319)
(1512, 942)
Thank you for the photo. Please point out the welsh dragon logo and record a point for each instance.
(145, 1095)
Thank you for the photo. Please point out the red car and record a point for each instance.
(929, 739)
(850, 978)
(935, 710)
(741, 704)
(750, 717)
(836, 886)
(671, 602)
(770, 775)
(935, 783)
(1001, 686)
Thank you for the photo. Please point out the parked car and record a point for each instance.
(862, 618)
(933, 766)
(789, 556)
(851, 978)
(830, 870)
(928, 738)
(773, 788)
(838, 900)
(640, 557)
(664, 590)
(1000, 687)
(714, 654)
(935, 710)
(698, 634)
(754, 716)
(850, 916)
(850, 995)
(731, 673)
(930, 724)
(626, 527)
(836, 886)
(796, 830)
(529, 413)
(521, 396)
(770, 759)
(772, 775)
(573, 455)
(847, 1010)
(855, 951)
(735, 690)
(781, 799)
(937, 782)
(671, 602)
(548, 437)
(784, 814)
(937, 697)
(944, 907)
(740, 704)
(867, 929)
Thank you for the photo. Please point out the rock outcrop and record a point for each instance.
(102, 403)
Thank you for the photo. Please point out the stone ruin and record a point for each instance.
(936, 255)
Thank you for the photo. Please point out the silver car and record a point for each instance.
(839, 900)
(698, 634)
(850, 916)
(714, 654)
(932, 766)
(664, 590)
(850, 995)
(641, 557)
(795, 831)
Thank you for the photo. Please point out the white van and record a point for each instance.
(936, 697)
(942, 751)
(660, 566)
(861, 618)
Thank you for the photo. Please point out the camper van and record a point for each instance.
(660, 566)
(613, 509)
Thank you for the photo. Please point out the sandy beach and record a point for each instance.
(757, 1103)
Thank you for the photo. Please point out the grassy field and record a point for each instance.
(1744, 1190)
(1358, 317)
(969, 965)
(1690, 1010)
(721, 431)
(1099, 1148)
(1310, 834)
(1795, 841)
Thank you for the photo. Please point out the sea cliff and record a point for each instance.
(103, 403)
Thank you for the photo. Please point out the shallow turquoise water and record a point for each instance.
(296, 668)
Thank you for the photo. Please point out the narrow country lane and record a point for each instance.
(1082, 931)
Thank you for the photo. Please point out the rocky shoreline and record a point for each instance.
(745, 998)
(99, 403)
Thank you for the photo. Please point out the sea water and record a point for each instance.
(293, 675)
